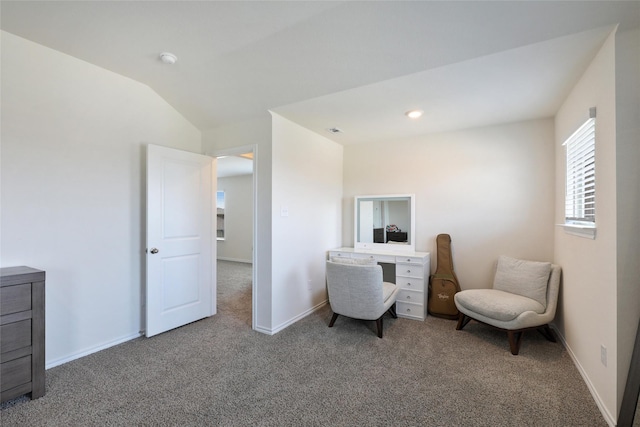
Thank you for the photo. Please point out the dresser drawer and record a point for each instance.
(22, 332)
(14, 336)
(410, 270)
(409, 309)
(15, 298)
(405, 295)
(15, 373)
(410, 283)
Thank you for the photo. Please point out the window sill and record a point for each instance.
(588, 232)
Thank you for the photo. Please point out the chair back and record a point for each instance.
(553, 289)
(355, 290)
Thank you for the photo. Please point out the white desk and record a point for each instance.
(412, 275)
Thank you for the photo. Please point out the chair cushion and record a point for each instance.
(526, 278)
(387, 290)
(354, 261)
(495, 304)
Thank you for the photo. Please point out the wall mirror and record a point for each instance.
(385, 222)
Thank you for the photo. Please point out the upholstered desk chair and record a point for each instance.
(356, 290)
(524, 297)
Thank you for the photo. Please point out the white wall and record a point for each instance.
(307, 184)
(255, 133)
(238, 218)
(628, 200)
(73, 155)
(491, 189)
(587, 310)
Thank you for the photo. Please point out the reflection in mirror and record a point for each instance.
(385, 222)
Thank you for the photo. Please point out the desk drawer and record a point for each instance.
(409, 260)
(339, 254)
(15, 298)
(410, 270)
(379, 258)
(405, 295)
(410, 283)
(410, 310)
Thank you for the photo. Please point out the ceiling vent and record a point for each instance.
(334, 130)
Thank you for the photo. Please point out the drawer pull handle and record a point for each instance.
(408, 296)
(408, 283)
(408, 310)
(408, 259)
(408, 271)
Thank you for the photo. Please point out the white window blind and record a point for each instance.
(580, 194)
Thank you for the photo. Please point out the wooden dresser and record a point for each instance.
(21, 332)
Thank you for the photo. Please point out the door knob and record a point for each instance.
(154, 251)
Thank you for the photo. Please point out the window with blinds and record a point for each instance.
(580, 194)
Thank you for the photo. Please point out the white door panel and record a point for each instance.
(180, 249)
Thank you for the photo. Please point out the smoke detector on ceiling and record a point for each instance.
(168, 58)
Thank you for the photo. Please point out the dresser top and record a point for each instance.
(22, 274)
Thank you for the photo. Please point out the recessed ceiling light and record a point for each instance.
(168, 58)
(334, 130)
(414, 114)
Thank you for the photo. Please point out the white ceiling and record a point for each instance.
(354, 65)
(518, 84)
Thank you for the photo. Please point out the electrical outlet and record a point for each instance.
(603, 354)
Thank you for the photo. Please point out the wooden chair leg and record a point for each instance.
(379, 325)
(393, 312)
(462, 321)
(515, 337)
(333, 319)
(547, 333)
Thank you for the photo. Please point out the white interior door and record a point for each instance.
(181, 280)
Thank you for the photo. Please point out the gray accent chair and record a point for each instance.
(356, 290)
(524, 297)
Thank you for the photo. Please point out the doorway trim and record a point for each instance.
(235, 151)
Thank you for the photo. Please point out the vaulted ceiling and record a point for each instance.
(357, 66)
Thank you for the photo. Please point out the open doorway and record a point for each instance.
(235, 231)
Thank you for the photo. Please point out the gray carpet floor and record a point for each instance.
(218, 372)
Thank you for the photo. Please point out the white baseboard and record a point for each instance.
(291, 321)
(246, 261)
(263, 330)
(63, 360)
(104, 346)
(611, 420)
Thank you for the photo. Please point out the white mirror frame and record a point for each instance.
(386, 247)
